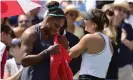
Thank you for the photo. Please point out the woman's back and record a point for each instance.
(96, 59)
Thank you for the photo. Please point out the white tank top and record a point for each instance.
(97, 64)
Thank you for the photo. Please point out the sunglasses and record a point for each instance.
(73, 15)
(109, 12)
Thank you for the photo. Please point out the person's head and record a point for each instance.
(23, 21)
(95, 20)
(130, 2)
(15, 47)
(55, 18)
(120, 9)
(107, 8)
(71, 13)
(6, 34)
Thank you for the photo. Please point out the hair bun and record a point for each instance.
(53, 5)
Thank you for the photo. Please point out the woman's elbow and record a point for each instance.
(73, 55)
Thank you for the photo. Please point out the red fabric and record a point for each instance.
(3, 62)
(12, 8)
(60, 69)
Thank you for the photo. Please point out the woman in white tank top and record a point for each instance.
(95, 47)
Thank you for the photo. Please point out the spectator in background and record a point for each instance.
(23, 24)
(3, 55)
(124, 40)
(6, 37)
(13, 66)
(72, 14)
(110, 31)
(130, 15)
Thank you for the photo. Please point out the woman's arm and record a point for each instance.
(80, 47)
(16, 75)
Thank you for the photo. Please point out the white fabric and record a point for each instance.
(2, 49)
(125, 73)
(11, 67)
(90, 4)
(97, 64)
(130, 20)
(28, 5)
(130, 1)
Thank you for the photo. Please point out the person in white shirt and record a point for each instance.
(13, 66)
(95, 47)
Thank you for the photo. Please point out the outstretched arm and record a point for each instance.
(80, 47)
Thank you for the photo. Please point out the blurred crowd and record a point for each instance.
(119, 30)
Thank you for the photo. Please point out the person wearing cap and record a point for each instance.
(111, 32)
(6, 37)
(13, 67)
(72, 14)
(95, 48)
(37, 44)
(124, 40)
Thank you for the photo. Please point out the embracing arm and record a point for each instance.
(15, 76)
(80, 47)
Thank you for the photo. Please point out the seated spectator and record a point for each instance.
(6, 37)
(72, 14)
(13, 66)
(23, 24)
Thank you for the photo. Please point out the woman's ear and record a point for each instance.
(95, 25)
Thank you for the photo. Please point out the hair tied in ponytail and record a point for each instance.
(105, 19)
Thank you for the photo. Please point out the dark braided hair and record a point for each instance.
(54, 10)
